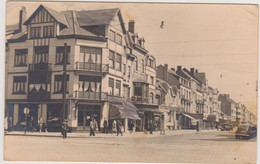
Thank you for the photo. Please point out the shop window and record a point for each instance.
(20, 57)
(60, 53)
(111, 86)
(19, 83)
(58, 84)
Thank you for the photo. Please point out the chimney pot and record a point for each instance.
(196, 71)
(192, 70)
(179, 67)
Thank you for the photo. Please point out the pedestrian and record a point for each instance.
(119, 127)
(64, 129)
(105, 126)
(114, 127)
(198, 126)
(150, 124)
(10, 124)
(6, 124)
(92, 126)
(131, 127)
(40, 124)
(32, 124)
(96, 125)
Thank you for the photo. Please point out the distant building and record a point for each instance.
(228, 107)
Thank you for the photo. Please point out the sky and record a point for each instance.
(218, 39)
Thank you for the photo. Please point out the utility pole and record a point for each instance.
(64, 121)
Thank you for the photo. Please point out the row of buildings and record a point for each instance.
(110, 75)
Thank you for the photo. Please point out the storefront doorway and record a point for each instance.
(85, 113)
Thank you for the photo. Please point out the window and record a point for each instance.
(152, 80)
(136, 65)
(124, 69)
(111, 86)
(20, 57)
(151, 98)
(118, 88)
(126, 92)
(151, 63)
(119, 39)
(89, 84)
(48, 31)
(19, 83)
(90, 59)
(129, 71)
(118, 62)
(112, 35)
(142, 64)
(58, 84)
(111, 59)
(39, 87)
(41, 54)
(59, 55)
(35, 32)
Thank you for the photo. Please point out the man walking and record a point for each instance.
(105, 126)
(92, 126)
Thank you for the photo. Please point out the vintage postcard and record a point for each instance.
(131, 82)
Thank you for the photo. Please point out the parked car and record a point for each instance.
(246, 131)
(226, 127)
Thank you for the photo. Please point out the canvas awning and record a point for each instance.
(121, 108)
(192, 118)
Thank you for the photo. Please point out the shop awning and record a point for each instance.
(186, 115)
(121, 108)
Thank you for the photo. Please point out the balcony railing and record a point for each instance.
(140, 100)
(90, 95)
(94, 67)
(39, 95)
(40, 67)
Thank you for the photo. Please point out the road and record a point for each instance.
(179, 147)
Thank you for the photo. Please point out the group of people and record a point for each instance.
(31, 124)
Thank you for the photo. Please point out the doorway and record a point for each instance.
(85, 114)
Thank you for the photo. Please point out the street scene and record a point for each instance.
(100, 82)
(185, 146)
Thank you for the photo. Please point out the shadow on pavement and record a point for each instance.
(227, 137)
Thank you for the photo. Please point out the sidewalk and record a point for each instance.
(86, 134)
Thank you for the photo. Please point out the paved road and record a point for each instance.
(182, 147)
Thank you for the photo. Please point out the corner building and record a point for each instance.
(99, 71)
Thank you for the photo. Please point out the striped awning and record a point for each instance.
(121, 108)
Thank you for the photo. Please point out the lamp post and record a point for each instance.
(64, 107)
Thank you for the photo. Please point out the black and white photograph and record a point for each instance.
(136, 82)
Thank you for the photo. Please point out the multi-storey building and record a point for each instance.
(145, 96)
(228, 107)
(98, 74)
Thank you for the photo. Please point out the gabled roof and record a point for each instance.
(182, 74)
(58, 16)
(190, 74)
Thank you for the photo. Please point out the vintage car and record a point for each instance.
(226, 127)
(246, 131)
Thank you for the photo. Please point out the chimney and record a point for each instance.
(173, 69)
(22, 18)
(131, 26)
(165, 72)
(192, 71)
(178, 67)
(196, 71)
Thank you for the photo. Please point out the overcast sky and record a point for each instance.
(221, 40)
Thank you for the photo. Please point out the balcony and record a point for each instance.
(90, 95)
(140, 100)
(91, 67)
(39, 95)
(39, 67)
